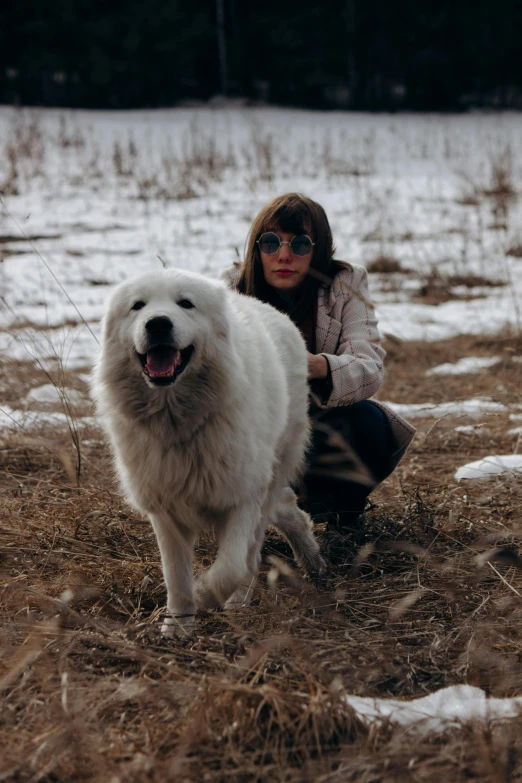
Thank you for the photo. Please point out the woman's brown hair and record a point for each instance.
(295, 214)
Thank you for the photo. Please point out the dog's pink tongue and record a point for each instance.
(162, 360)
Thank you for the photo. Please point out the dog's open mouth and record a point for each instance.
(162, 364)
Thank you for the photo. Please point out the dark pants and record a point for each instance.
(351, 452)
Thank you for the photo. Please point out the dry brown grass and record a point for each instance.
(437, 287)
(515, 250)
(386, 265)
(90, 691)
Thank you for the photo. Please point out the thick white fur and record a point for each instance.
(221, 446)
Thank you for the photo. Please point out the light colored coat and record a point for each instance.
(347, 336)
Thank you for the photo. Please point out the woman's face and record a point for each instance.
(284, 269)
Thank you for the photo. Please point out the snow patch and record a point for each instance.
(472, 429)
(465, 366)
(472, 407)
(14, 419)
(50, 394)
(448, 707)
(490, 466)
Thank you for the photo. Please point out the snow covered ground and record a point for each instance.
(447, 708)
(110, 194)
(93, 197)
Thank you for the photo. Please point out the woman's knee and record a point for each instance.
(365, 427)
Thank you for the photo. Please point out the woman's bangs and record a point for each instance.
(288, 220)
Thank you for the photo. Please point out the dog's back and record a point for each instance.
(285, 346)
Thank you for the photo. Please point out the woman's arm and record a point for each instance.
(231, 274)
(356, 369)
(317, 366)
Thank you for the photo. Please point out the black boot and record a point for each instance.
(345, 521)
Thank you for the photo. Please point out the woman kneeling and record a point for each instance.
(356, 442)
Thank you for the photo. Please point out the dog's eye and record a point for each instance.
(138, 305)
(185, 303)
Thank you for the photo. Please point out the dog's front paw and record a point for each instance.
(178, 626)
(206, 595)
(314, 565)
(320, 567)
(241, 597)
(317, 572)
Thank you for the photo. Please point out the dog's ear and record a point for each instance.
(221, 312)
(114, 312)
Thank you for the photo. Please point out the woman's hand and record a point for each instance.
(317, 366)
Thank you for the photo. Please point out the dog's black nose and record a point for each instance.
(160, 326)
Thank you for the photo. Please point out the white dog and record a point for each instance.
(203, 394)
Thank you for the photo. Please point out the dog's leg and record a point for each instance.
(296, 526)
(176, 546)
(231, 578)
(242, 595)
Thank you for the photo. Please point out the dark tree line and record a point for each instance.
(363, 54)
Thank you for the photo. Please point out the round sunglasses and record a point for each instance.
(270, 244)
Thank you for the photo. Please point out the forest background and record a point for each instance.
(348, 54)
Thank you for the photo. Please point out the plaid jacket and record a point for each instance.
(347, 336)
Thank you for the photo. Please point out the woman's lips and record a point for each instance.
(284, 272)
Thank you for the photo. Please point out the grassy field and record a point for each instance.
(426, 594)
